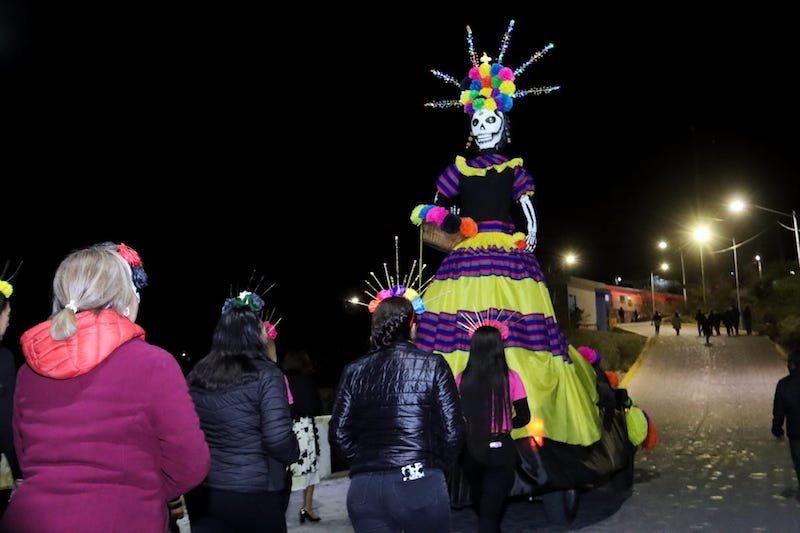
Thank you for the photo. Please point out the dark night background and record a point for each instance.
(222, 139)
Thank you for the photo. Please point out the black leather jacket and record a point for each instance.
(397, 406)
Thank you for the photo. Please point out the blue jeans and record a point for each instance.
(381, 502)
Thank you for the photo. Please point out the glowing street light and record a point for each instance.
(701, 235)
(758, 260)
(663, 245)
(664, 267)
(740, 205)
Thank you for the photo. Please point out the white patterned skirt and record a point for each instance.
(304, 471)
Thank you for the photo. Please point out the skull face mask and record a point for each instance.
(487, 128)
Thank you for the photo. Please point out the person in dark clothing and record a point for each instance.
(747, 320)
(786, 409)
(716, 321)
(8, 377)
(657, 321)
(307, 404)
(489, 390)
(621, 315)
(707, 327)
(241, 398)
(699, 317)
(676, 323)
(397, 421)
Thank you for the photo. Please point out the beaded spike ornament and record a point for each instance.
(471, 323)
(490, 85)
(411, 286)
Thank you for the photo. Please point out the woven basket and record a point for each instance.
(435, 237)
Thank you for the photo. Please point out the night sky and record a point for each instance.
(221, 140)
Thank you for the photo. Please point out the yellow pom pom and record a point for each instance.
(484, 69)
(508, 87)
(410, 294)
(415, 218)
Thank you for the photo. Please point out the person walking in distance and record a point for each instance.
(621, 315)
(676, 323)
(699, 317)
(747, 320)
(657, 321)
(708, 328)
(786, 409)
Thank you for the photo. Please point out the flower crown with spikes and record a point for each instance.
(396, 285)
(470, 324)
(6, 289)
(490, 85)
(248, 299)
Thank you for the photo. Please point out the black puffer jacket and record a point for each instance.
(248, 429)
(397, 406)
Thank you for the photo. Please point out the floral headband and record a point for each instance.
(131, 256)
(490, 85)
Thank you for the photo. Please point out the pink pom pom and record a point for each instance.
(588, 354)
(436, 215)
(474, 73)
(506, 74)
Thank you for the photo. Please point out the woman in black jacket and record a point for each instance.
(397, 420)
(241, 399)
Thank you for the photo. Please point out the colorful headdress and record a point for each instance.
(396, 285)
(6, 289)
(248, 299)
(490, 85)
(471, 323)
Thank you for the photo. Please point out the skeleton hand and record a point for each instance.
(531, 240)
(530, 215)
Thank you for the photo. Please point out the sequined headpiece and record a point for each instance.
(490, 85)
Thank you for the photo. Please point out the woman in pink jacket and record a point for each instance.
(104, 426)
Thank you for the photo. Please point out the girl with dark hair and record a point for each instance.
(397, 420)
(494, 401)
(241, 399)
(8, 378)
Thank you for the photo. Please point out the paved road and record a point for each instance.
(717, 468)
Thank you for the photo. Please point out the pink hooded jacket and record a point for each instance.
(105, 430)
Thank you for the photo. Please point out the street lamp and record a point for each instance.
(663, 245)
(740, 205)
(758, 260)
(664, 267)
(736, 272)
(701, 235)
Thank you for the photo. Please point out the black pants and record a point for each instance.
(489, 486)
(220, 511)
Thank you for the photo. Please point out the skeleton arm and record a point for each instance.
(530, 216)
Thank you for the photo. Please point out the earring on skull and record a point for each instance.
(468, 144)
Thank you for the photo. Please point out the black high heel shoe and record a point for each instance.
(305, 515)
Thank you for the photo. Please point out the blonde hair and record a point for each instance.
(94, 278)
